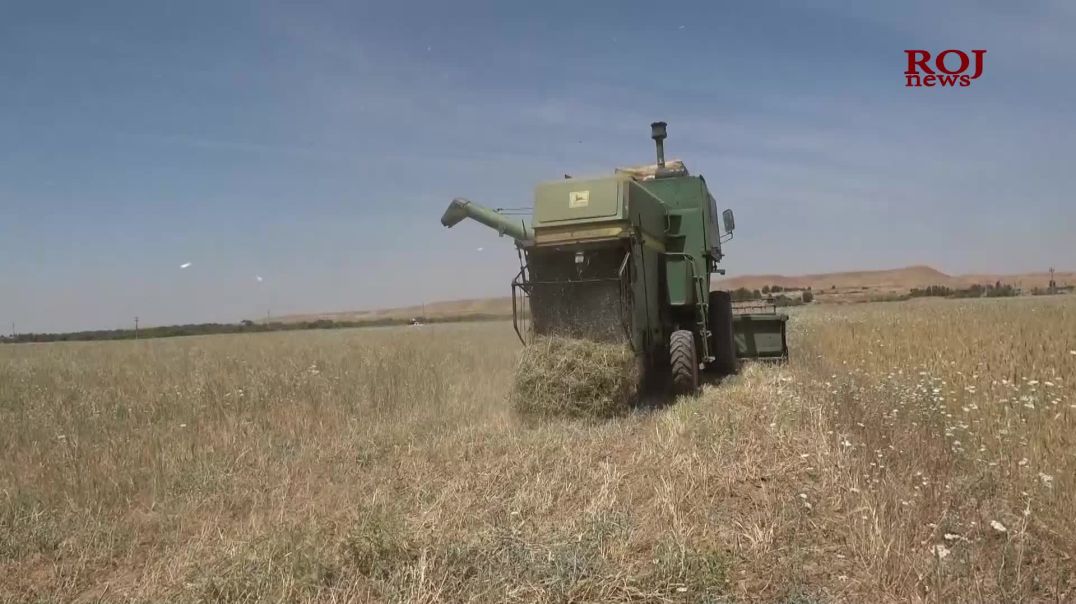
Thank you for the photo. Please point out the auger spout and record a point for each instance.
(462, 208)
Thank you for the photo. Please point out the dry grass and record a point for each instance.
(567, 377)
(386, 465)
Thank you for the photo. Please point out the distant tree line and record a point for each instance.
(743, 294)
(996, 290)
(246, 326)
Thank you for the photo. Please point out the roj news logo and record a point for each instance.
(947, 68)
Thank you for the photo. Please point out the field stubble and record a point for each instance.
(913, 451)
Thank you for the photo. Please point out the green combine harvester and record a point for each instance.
(628, 258)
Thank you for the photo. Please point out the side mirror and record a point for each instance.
(728, 220)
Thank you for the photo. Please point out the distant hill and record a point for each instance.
(897, 280)
(890, 280)
(882, 280)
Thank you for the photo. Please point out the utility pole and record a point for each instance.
(136, 327)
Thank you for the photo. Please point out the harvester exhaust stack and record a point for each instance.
(657, 132)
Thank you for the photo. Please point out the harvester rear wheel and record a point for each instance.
(684, 363)
(722, 341)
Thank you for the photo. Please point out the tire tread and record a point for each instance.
(683, 362)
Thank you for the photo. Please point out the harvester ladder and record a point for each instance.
(676, 239)
(702, 306)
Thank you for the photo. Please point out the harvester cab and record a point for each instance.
(628, 258)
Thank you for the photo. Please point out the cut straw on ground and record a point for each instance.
(567, 377)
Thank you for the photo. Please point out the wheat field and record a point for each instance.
(919, 451)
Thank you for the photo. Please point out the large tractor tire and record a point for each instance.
(722, 341)
(684, 363)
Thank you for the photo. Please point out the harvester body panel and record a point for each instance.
(579, 201)
(691, 236)
(596, 262)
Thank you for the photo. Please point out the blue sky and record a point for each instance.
(316, 144)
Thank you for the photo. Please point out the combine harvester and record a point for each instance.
(628, 258)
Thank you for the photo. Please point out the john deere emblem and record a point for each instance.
(578, 199)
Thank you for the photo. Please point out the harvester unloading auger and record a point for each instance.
(628, 257)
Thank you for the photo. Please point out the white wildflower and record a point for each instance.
(941, 551)
(951, 536)
(1047, 480)
(997, 526)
